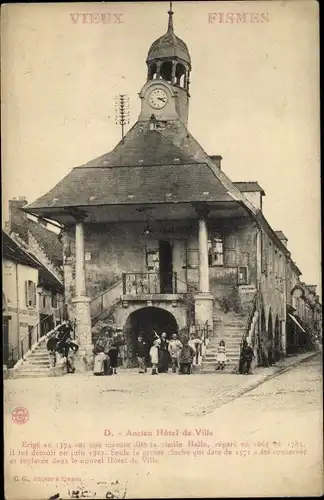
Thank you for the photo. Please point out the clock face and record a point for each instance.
(158, 99)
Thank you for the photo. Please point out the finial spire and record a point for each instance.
(170, 23)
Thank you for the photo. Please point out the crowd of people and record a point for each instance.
(164, 352)
(160, 354)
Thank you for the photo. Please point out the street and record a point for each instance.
(267, 442)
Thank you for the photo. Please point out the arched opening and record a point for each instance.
(151, 72)
(147, 321)
(271, 359)
(166, 71)
(277, 340)
(180, 75)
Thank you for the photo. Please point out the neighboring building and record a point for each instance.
(157, 229)
(21, 313)
(32, 280)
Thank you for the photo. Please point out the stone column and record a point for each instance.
(158, 69)
(173, 73)
(82, 303)
(204, 299)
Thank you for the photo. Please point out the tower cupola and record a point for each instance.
(169, 58)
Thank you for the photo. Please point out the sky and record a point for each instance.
(254, 97)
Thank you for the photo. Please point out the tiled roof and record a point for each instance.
(142, 146)
(249, 187)
(12, 251)
(48, 241)
(137, 184)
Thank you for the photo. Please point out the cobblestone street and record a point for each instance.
(283, 410)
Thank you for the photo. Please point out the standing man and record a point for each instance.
(186, 356)
(164, 354)
(141, 351)
(246, 358)
(174, 350)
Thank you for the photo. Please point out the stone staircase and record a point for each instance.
(229, 327)
(36, 365)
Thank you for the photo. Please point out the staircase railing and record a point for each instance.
(34, 335)
(149, 283)
(106, 299)
(249, 320)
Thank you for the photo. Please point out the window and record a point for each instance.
(193, 258)
(30, 293)
(216, 250)
(44, 301)
(152, 260)
(54, 300)
(242, 275)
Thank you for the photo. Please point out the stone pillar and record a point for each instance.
(173, 74)
(158, 69)
(203, 255)
(283, 337)
(204, 299)
(82, 304)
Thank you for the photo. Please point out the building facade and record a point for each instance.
(33, 290)
(157, 238)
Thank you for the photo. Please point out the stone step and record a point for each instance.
(38, 355)
(32, 375)
(39, 363)
(234, 357)
(212, 369)
(33, 368)
(234, 352)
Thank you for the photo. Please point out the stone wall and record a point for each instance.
(112, 249)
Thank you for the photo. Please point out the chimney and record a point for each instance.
(282, 237)
(217, 159)
(17, 218)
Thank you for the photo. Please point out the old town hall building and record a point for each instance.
(157, 238)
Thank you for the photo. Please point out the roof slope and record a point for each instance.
(145, 167)
(48, 240)
(142, 146)
(137, 184)
(14, 252)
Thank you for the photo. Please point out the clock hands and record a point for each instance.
(161, 99)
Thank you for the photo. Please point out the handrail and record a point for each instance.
(250, 318)
(100, 299)
(18, 350)
(20, 345)
(119, 282)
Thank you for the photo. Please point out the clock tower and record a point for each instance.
(166, 92)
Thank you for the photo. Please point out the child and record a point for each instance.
(221, 356)
(154, 355)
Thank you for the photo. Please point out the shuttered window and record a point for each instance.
(230, 256)
(30, 293)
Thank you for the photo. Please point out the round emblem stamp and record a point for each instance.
(20, 415)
